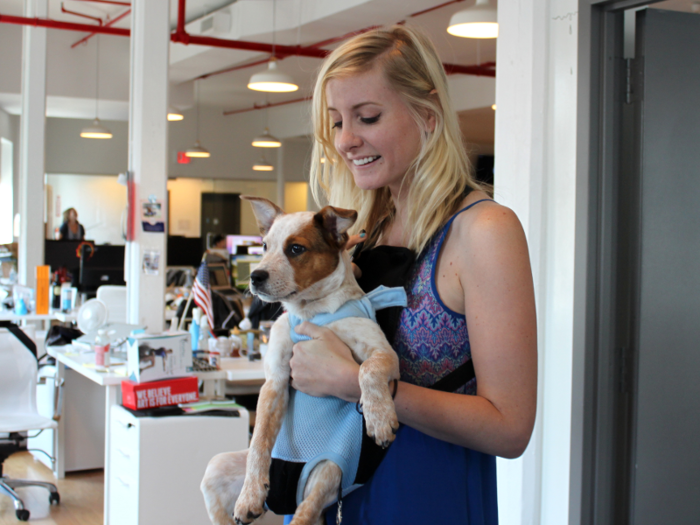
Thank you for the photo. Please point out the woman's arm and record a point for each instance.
(492, 267)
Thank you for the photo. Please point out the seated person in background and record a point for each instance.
(71, 229)
(218, 254)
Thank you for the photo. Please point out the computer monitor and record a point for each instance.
(218, 276)
(253, 242)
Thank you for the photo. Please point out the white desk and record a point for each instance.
(232, 369)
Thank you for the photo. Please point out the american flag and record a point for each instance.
(202, 293)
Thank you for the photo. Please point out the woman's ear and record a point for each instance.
(430, 122)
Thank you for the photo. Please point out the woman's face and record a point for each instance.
(375, 133)
(73, 215)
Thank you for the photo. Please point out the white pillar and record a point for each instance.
(31, 144)
(148, 142)
(280, 176)
(521, 87)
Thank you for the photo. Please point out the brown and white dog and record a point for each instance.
(306, 267)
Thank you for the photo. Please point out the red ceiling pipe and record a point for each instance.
(64, 10)
(265, 106)
(108, 24)
(69, 26)
(113, 2)
(483, 70)
(183, 37)
(434, 8)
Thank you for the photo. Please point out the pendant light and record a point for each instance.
(174, 114)
(263, 165)
(266, 140)
(97, 130)
(272, 80)
(477, 21)
(197, 151)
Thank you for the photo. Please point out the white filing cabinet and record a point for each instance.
(157, 464)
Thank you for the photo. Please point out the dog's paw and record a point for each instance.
(380, 418)
(251, 503)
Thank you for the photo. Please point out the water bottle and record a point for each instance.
(101, 350)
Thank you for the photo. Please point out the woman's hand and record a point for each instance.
(324, 366)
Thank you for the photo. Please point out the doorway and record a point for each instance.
(640, 291)
(221, 214)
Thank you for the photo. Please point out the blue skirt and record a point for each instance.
(424, 480)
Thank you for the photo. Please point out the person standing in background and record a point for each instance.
(71, 229)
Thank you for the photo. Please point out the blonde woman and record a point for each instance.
(467, 340)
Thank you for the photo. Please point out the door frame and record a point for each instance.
(601, 79)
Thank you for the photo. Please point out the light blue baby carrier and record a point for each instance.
(317, 429)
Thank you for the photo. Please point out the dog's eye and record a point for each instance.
(264, 246)
(296, 249)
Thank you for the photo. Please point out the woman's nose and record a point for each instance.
(346, 140)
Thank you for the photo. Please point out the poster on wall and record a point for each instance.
(151, 262)
(152, 215)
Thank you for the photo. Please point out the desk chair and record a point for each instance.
(114, 298)
(18, 411)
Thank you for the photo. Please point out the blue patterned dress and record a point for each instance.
(423, 480)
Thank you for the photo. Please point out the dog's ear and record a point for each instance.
(336, 222)
(265, 212)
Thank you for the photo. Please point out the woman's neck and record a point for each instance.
(395, 232)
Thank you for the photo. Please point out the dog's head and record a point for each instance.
(302, 252)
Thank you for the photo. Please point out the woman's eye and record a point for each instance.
(370, 120)
(296, 249)
(337, 125)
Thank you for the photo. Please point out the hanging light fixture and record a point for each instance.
(272, 80)
(97, 130)
(174, 114)
(266, 140)
(263, 165)
(477, 21)
(197, 151)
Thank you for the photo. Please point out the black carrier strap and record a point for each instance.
(457, 378)
(19, 334)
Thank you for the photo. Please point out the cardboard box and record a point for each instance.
(162, 356)
(168, 392)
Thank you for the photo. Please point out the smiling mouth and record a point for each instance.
(366, 160)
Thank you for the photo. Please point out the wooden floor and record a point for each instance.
(81, 495)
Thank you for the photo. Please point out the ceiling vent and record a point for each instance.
(218, 23)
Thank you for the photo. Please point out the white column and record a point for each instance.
(535, 153)
(148, 142)
(31, 144)
(280, 176)
(519, 152)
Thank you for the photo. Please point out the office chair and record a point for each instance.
(114, 298)
(18, 410)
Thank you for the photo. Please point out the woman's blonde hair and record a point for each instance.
(441, 171)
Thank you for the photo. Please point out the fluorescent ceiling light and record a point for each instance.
(266, 140)
(477, 21)
(272, 80)
(96, 131)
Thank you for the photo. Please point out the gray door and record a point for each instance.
(665, 470)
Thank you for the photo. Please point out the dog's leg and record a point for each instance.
(321, 490)
(222, 484)
(380, 364)
(272, 405)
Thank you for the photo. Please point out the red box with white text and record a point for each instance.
(139, 396)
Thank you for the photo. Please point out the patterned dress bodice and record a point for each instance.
(431, 340)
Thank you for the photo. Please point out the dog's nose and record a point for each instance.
(258, 277)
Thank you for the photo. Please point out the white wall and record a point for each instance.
(186, 202)
(99, 200)
(535, 175)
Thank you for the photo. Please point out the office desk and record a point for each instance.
(232, 369)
